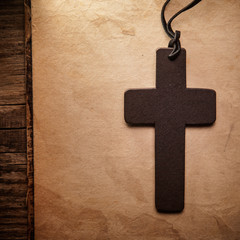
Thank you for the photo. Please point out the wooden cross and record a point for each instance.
(170, 107)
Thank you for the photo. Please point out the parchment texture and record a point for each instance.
(94, 175)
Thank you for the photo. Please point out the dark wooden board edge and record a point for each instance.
(29, 118)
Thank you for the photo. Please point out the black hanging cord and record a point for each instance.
(175, 36)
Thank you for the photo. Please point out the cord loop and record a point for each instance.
(175, 44)
(175, 36)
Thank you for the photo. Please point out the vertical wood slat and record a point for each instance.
(13, 164)
(29, 118)
(16, 173)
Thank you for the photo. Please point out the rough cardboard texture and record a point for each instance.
(94, 176)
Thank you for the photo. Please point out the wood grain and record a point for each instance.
(29, 118)
(13, 140)
(13, 159)
(12, 81)
(12, 116)
(13, 175)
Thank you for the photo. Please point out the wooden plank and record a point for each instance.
(13, 190)
(13, 140)
(9, 202)
(12, 90)
(13, 217)
(12, 66)
(13, 159)
(13, 163)
(15, 174)
(13, 181)
(12, 49)
(12, 34)
(18, 236)
(15, 233)
(29, 116)
(11, 3)
(12, 69)
(13, 223)
(12, 116)
(13, 171)
(12, 22)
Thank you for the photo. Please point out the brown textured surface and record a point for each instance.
(29, 118)
(12, 116)
(170, 107)
(13, 159)
(12, 84)
(94, 176)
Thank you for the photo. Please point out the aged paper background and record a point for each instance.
(94, 175)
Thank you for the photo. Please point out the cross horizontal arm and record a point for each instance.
(200, 106)
(140, 106)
